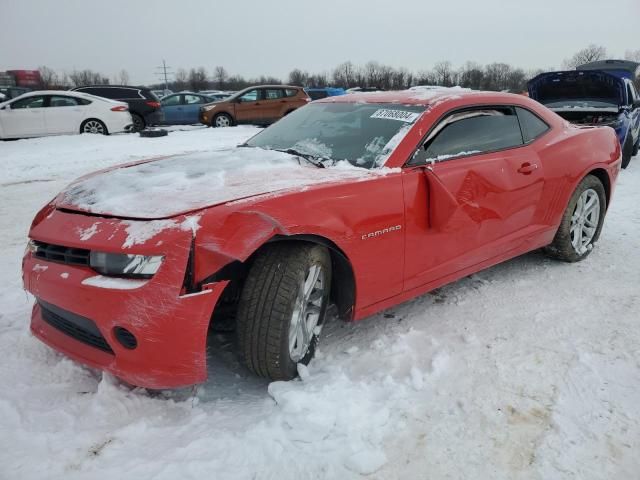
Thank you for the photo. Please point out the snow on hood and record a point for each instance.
(167, 187)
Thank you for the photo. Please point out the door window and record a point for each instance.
(192, 99)
(30, 102)
(59, 101)
(532, 126)
(171, 101)
(250, 96)
(474, 131)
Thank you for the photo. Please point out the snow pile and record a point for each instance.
(528, 370)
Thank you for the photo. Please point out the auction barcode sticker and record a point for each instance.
(399, 115)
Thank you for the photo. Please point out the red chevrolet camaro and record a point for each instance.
(363, 201)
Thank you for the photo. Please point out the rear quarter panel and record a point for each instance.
(568, 155)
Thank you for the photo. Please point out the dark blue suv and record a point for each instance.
(598, 93)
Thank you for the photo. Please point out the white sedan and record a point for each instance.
(52, 112)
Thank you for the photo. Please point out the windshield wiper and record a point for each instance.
(319, 162)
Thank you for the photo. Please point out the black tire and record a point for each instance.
(219, 120)
(272, 291)
(160, 132)
(93, 126)
(138, 122)
(636, 148)
(562, 248)
(627, 151)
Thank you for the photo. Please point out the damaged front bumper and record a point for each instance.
(150, 333)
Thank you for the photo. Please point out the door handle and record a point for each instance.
(527, 168)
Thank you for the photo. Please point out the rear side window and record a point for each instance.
(290, 92)
(475, 131)
(125, 93)
(148, 94)
(97, 91)
(29, 102)
(60, 101)
(532, 125)
(273, 93)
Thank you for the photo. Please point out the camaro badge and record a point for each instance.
(377, 233)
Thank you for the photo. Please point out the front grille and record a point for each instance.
(80, 328)
(61, 254)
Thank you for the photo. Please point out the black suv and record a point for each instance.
(144, 106)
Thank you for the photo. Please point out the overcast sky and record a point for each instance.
(272, 37)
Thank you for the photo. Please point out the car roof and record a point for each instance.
(424, 97)
(133, 87)
(69, 93)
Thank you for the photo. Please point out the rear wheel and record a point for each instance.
(581, 223)
(221, 120)
(627, 151)
(93, 126)
(281, 308)
(138, 122)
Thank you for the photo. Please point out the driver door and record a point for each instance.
(249, 107)
(476, 200)
(24, 117)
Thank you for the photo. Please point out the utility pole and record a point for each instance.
(164, 71)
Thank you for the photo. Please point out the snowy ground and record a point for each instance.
(529, 370)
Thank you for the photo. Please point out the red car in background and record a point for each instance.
(362, 200)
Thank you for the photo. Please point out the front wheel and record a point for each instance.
(222, 120)
(581, 223)
(282, 307)
(93, 126)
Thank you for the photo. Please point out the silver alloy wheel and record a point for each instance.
(306, 313)
(584, 221)
(223, 121)
(93, 126)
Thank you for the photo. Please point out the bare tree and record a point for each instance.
(633, 55)
(197, 79)
(344, 75)
(590, 54)
(471, 75)
(181, 80)
(49, 78)
(220, 77)
(123, 77)
(444, 74)
(299, 78)
(87, 77)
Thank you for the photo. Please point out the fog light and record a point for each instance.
(125, 337)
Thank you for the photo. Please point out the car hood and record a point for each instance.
(574, 88)
(171, 186)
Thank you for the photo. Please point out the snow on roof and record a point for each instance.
(421, 95)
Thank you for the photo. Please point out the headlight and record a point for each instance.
(208, 108)
(123, 265)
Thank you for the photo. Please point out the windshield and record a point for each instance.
(364, 134)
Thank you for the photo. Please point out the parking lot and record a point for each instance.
(527, 370)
